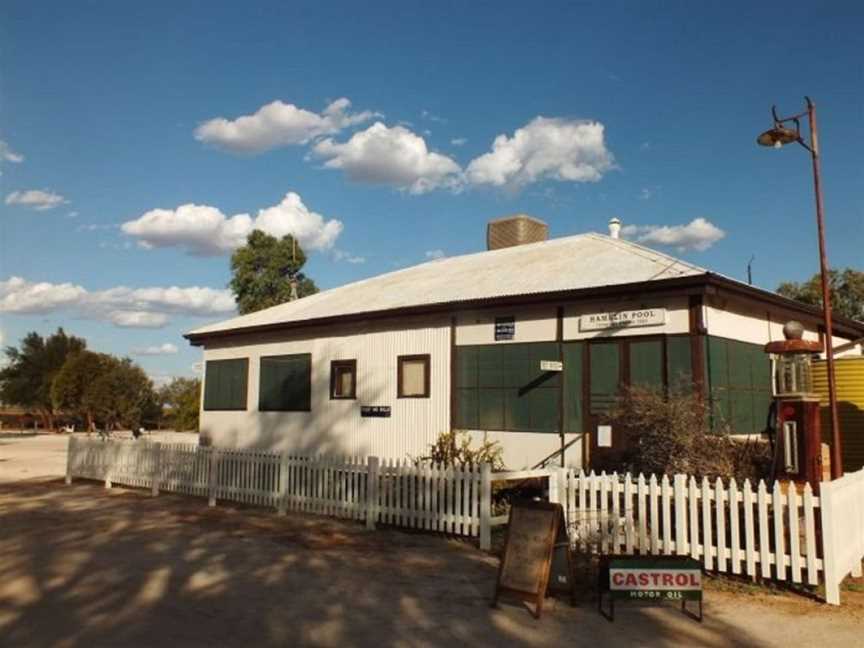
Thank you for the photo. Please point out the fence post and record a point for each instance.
(214, 469)
(157, 469)
(829, 557)
(371, 493)
(486, 507)
(554, 495)
(283, 483)
(109, 462)
(70, 454)
(680, 485)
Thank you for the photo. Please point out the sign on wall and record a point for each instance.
(551, 365)
(622, 319)
(505, 328)
(375, 411)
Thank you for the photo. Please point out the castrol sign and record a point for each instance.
(655, 579)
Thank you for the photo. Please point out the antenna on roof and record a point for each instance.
(293, 280)
(750, 270)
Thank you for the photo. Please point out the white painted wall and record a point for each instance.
(523, 450)
(335, 426)
(532, 325)
(757, 324)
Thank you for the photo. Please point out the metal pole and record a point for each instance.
(836, 450)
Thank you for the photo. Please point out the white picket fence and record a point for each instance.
(777, 534)
(435, 498)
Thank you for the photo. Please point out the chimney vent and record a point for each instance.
(518, 229)
(615, 228)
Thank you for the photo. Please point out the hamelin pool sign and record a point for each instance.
(675, 580)
(622, 319)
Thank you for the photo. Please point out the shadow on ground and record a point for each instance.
(82, 566)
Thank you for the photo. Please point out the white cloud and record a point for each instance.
(162, 349)
(342, 255)
(544, 149)
(36, 198)
(204, 230)
(72, 214)
(278, 124)
(122, 306)
(699, 234)
(435, 254)
(393, 156)
(8, 155)
(432, 117)
(459, 141)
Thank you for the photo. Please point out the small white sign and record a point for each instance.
(622, 319)
(604, 436)
(551, 365)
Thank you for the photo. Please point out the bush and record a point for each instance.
(454, 448)
(672, 434)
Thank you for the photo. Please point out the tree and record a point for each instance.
(847, 292)
(27, 378)
(262, 271)
(121, 395)
(74, 380)
(180, 400)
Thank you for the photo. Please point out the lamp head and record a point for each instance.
(778, 136)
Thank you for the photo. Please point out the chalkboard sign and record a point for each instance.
(505, 328)
(524, 569)
(375, 411)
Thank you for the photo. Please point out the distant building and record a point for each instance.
(526, 344)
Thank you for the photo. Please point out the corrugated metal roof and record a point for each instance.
(570, 263)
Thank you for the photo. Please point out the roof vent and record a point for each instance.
(615, 228)
(518, 229)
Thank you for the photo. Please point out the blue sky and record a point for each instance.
(114, 115)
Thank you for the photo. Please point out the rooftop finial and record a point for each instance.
(615, 227)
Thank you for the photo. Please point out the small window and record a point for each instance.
(225, 384)
(343, 379)
(286, 383)
(413, 376)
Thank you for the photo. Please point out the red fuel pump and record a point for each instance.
(798, 438)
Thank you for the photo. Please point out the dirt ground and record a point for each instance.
(84, 566)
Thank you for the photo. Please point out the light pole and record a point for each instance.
(777, 137)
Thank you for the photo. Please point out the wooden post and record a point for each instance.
(829, 559)
(283, 484)
(680, 485)
(157, 469)
(211, 484)
(486, 507)
(109, 462)
(70, 455)
(372, 472)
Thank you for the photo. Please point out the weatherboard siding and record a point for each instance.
(335, 426)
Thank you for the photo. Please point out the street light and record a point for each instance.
(777, 137)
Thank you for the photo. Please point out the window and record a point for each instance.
(225, 384)
(413, 376)
(286, 383)
(343, 380)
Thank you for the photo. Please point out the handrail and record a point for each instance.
(542, 463)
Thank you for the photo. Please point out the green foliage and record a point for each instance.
(180, 400)
(121, 395)
(262, 271)
(672, 434)
(454, 448)
(30, 371)
(74, 380)
(847, 292)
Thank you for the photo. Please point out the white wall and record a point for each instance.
(532, 325)
(757, 324)
(523, 450)
(335, 426)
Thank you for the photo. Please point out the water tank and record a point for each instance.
(518, 229)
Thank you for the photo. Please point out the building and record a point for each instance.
(525, 344)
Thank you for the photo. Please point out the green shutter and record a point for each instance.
(605, 375)
(225, 384)
(679, 365)
(286, 383)
(572, 353)
(646, 364)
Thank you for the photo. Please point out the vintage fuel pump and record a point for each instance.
(798, 439)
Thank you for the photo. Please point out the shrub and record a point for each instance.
(454, 448)
(671, 434)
